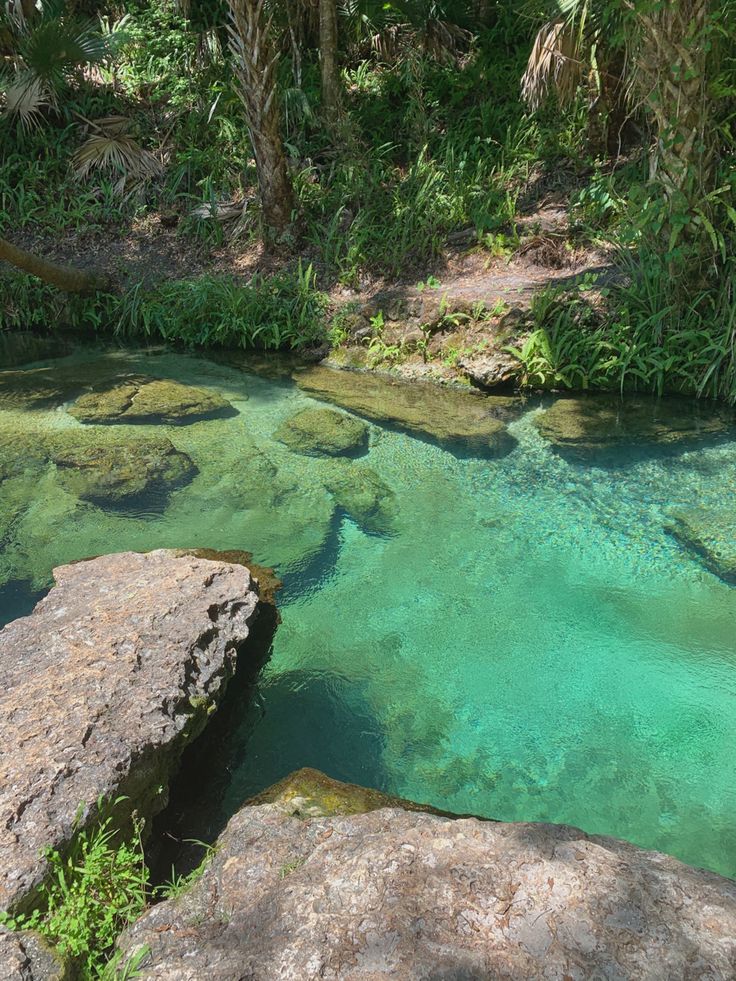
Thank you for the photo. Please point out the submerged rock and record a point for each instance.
(143, 400)
(444, 415)
(100, 689)
(592, 427)
(115, 472)
(710, 533)
(363, 495)
(395, 893)
(323, 432)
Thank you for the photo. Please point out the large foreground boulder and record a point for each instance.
(396, 893)
(450, 417)
(100, 689)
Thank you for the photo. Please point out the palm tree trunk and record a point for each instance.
(328, 60)
(255, 67)
(66, 278)
(673, 70)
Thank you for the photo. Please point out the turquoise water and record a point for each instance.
(529, 643)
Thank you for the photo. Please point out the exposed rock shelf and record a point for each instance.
(306, 886)
(100, 689)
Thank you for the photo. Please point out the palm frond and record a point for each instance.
(25, 99)
(111, 151)
(555, 64)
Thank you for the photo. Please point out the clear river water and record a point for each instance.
(527, 643)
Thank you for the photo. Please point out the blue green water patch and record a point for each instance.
(528, 643)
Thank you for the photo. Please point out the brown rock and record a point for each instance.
(492, 369)
(144, 400)
(408, 895)
(445, 415)
(100, 689)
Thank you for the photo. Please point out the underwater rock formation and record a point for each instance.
(443, 415)
(586, 429)
(711, 534)
(318, 883)
(102, 686)
(363, 495)
(115, 471)
(323, 432)
(148, 400)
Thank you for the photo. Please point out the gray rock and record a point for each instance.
(100, 689)
(493, 369)
(25, 956)
(392, 893)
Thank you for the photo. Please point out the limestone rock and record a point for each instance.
(25, 956)
(447, 416)
(492, 369)
(323, 432)
(144, 400)
(400, 894)
(100, 689)
(114, 471)
(711, 534)
(362, 494)
(590, 428)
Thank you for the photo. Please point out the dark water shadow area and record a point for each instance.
(265, 728)
(17, 599)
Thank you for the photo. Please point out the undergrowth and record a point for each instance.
(285, 310)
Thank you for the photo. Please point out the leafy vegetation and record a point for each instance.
(91, 894)
(361, 138)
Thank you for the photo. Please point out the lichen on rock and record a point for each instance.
(323, 432)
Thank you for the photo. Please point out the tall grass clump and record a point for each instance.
(281, 311)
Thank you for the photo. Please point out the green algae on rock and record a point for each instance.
(144, 400)
(443, 415)
(323, 432)
(117, 471)
(363, 495)
(310, 793)
(711, 534)
(589, 428)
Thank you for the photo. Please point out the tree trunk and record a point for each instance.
(673, 70)
(65, 278)
(328, 60)
(255, 67)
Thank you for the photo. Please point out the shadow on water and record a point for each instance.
(266, 727)
(17, 599)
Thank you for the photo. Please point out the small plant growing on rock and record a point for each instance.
(93, 892)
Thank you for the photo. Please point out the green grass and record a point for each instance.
(91, 894)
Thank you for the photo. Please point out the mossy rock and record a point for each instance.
(114, 472)
(323, 432)
(709, 533)
(25, 954)
(363, 495)
(309, 793)
(474, 424)
(596, 427)
(143, 400)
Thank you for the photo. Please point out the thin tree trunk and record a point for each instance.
(673, 71)
(66, 278)
(328, 59)
(255, 66)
